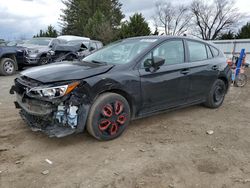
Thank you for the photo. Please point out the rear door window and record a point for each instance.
(197, 51)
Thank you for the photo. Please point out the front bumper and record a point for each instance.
(34, 107)
(32, 60)
(54, 118)
(48, 127)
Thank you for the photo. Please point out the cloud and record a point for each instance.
(24, 18)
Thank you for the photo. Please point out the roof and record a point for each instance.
(164, 37)
(231, 41)
(72, 37)
(49, 38)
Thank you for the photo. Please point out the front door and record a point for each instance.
(168, 86)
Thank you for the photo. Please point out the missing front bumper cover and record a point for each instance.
(52, 130)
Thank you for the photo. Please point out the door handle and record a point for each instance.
(185, 71)
(215, 67)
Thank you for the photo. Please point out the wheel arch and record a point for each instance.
(11, 56)
(225, 80)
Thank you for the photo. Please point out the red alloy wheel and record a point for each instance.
(112, 117)
(108, 117)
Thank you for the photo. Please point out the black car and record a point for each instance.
(12, 58)
(37, 49)
(129, 79)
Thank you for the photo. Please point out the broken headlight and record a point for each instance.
(52, 92)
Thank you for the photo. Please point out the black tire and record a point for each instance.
(241, 80)
(7, 67)
(43, 61)
(216, 94)
(109, 116)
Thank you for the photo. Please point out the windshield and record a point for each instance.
(120, 52)
(39, 41)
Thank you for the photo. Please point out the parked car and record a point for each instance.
(11, 59)
(126, 80)
(73, 50)
(37, 49)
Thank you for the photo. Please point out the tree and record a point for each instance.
(81, 15)
(99, 28)
(50, 32)
(227, 36)
(136, 26)
(212, 19)
(174, 19)
(244, 32)
(156, 32)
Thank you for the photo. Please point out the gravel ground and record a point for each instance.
(167, 150)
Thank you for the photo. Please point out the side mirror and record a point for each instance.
(148, 63)
(153, 64)
(158, 62)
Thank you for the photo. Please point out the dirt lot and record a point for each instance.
(167, 150)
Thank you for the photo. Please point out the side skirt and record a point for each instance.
(168, 109)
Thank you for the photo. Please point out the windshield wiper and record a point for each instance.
(99, 62)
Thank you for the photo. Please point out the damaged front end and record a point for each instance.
(57, 109)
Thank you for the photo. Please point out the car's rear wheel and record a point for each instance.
(108, 117)
(216, 94)
(7, 67)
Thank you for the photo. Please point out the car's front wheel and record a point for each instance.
(108, 117)
(43, 61)
(216, 94)
(7, 67)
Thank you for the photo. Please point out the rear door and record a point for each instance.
(203, 70)
(168, 86)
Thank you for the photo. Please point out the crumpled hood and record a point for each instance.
(64, 71)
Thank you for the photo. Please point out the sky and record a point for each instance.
(24, 18)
